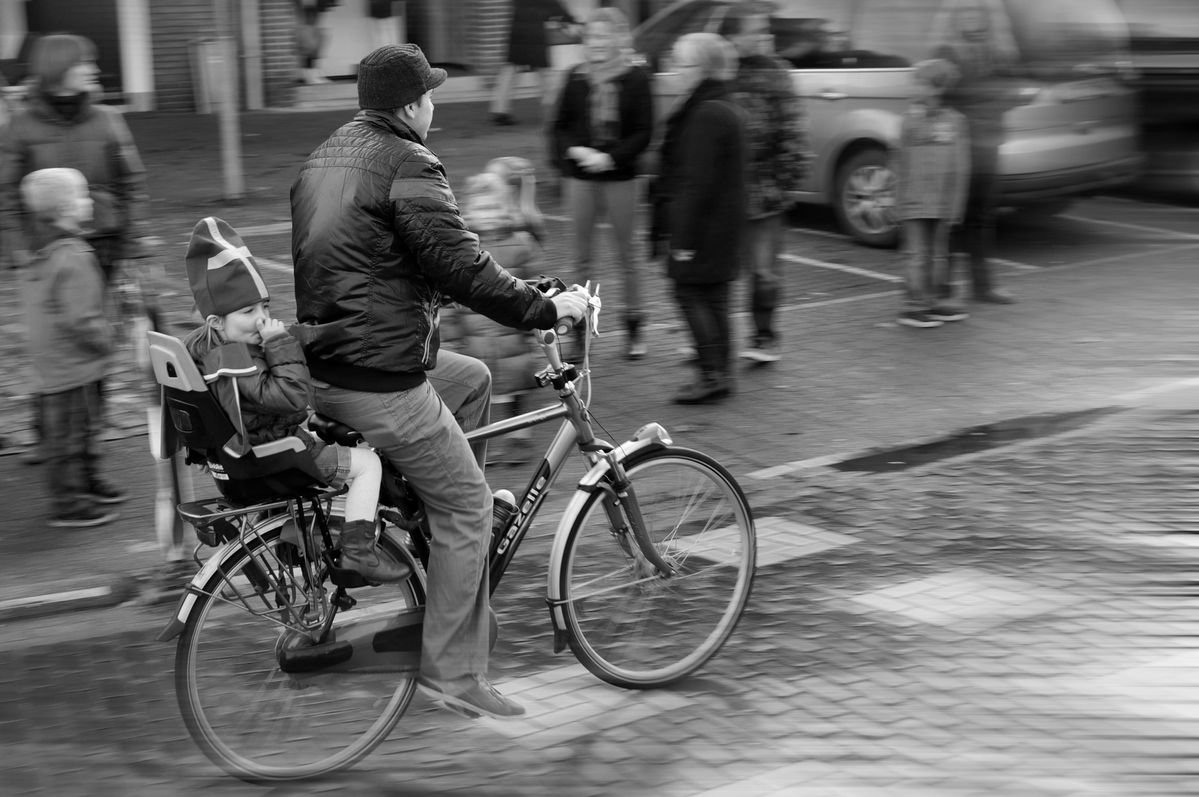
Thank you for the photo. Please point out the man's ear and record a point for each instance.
(408, 111)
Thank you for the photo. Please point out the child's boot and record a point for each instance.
(360, 553)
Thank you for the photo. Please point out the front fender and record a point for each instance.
(650, 436)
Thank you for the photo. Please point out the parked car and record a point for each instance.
(1071, 127)
(1165, 53)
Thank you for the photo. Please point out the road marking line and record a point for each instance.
(1188, 236)
(861, 272)
(1110, 258)
(266, 229)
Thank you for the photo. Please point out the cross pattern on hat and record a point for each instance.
(230, 253)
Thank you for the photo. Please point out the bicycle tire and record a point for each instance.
(628, 624)
(259, 723)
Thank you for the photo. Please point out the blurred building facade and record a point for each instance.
(162, 54)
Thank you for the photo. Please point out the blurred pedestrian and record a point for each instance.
(604, 122)
(311, 38)
(703, 186)
(61, 124)
(499, 206)
(977, 41)
(69, 339)
(528, 48)
(932, 171)
(777, 162)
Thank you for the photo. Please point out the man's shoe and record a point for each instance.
(945, 313)
(84, 517)
(993, 297)
(702, 391)
(472, 696)
(636, 351)
(502, 119)
(101, 492)
(763, 351)
(918, 319)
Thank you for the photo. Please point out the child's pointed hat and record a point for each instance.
(221, 270)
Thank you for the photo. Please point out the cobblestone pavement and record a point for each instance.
(1015, 622)
(1019, 623)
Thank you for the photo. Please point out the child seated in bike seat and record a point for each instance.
(498, 206)
(259, 374)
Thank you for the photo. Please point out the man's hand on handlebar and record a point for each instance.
(570, 305)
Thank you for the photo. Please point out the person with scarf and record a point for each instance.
(702, 187)
(604, 122)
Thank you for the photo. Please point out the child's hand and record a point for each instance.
(271, 328)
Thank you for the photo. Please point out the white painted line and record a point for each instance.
(265, 229)
(1114, 258)
(55, 597)
(1159, 231)
(861, 272)
(1015, 264)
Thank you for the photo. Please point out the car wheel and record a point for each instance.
(864, 198)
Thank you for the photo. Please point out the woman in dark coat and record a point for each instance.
(702, 182)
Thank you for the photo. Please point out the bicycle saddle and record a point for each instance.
(332, 431)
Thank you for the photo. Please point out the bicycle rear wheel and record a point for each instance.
(627, 623)
(262, 724)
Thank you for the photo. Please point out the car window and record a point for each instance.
(811, 34)
(1070, 36)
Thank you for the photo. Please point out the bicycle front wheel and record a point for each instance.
(627, 622)
(256, 721)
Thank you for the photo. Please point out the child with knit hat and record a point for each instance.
(69, 336)
(258, 371)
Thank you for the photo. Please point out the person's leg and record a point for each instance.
(939, 230)
(417, 432)
(764, 238)
(980, 218)
(362, 492)
(464, 384)
(66, 433)
(620, 201)
(583, 200)
(695, 303)
(717, 301)
(916, 253)
(501, 97)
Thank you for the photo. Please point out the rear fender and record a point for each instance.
(195, 587)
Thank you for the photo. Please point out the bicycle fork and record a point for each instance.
(620, 505)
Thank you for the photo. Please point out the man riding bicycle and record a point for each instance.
(379, 246)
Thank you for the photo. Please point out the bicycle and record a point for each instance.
(282, 674)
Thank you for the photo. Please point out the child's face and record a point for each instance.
(243, 325)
